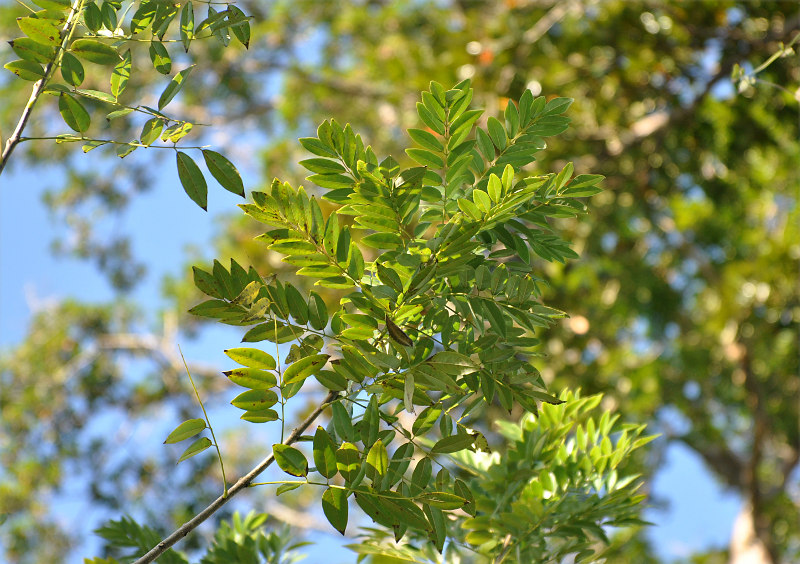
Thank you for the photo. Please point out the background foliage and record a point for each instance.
(684, 306)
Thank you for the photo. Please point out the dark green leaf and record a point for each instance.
(453, 443)
(192, 180)
(173, 87)
(290, 459)
(73, 113)
(224, 171)
(160, 57)
(95, 51)
(324, 453)
(92, 17)
(240, 25)
(334, 505)
(187, 25)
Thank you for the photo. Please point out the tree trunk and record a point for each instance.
(746, 547)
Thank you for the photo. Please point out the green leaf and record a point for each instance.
(426, 139)
(334, 505)
(151, 131)
(317, 147)
(453, 443)
(42, 30)
(192, 180)
(260, 416)
(253, 358)
(108, 14)
(173, 87)
(497, 132)
(377, 462)
(121, 74)
(185, 430)
(317, 311)
(143, 17)
(382, 241)
(187, 25)
(430, 119)
(324, 453)
(26, 70)
(95, 51)
(462, 490)
(253, 378)
(426, 420)
(92, 17)
(118, 113)
(283, 488)
(348, 461)
(426, 158)
(421, 475)
(30, 50)
(74, 114)
(443, 500)
(255, 400)
(583, 185)
(305, 367)
(160, 57)
(342, 422)
(290, 460)
(323, 166)
(125, 150)
(196, 447)
(240, 26)
(224, 172)
(56, 5)
(92, 145)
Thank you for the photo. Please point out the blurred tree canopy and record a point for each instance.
(685, 304)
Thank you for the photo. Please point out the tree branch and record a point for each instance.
(241, 484)
(38, 87)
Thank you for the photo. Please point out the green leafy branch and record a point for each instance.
(51, 40)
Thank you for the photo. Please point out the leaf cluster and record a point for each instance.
(441, 301)
(65, 35)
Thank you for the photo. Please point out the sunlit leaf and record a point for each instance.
(186, 430)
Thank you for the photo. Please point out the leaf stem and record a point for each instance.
(208, 422)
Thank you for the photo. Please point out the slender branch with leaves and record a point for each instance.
(437, 269)
(437, 266)
(64, 35)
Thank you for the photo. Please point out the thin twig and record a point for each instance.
(208, 422)
(241, 484)
(39, 86)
